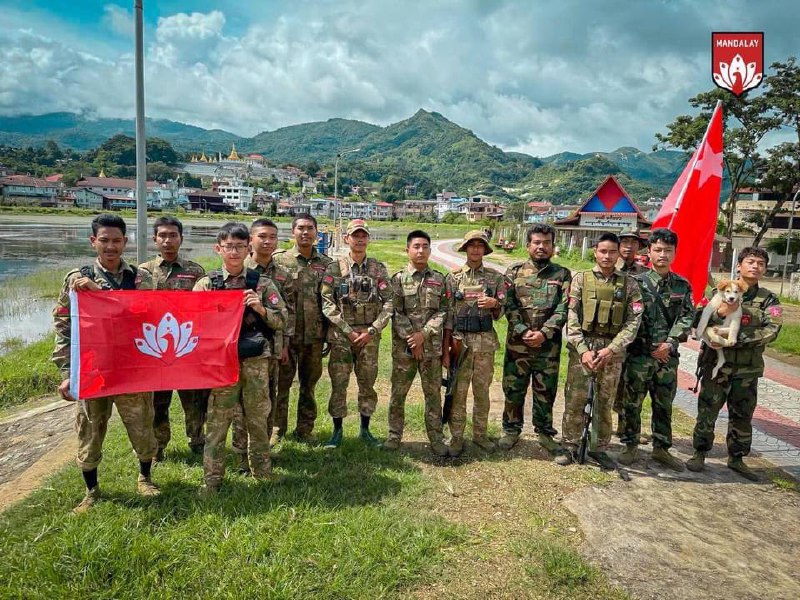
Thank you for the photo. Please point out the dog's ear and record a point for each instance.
(742, 285)
(723, 283)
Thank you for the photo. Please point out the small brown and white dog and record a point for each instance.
(729, 291)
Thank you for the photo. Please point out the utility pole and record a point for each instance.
(141, 142)
(788, 240)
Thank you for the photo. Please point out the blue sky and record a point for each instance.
(528, 75)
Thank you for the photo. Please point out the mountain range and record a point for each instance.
(426, 147)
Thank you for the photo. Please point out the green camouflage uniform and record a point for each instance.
(251, 391)
(633, 269)
(354, 298)
(464, 287)
(737, 380)
(614, 326)
(135, 410)
(283, 280)
(179, 275)
(643, 373)
(537, 301)
(420, 304)
(305, 346)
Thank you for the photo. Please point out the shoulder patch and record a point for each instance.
(775, 311)
(637, 307)
(328, 279)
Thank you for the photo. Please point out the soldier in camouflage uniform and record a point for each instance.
(605, 309)
(306, 267)
(264, 310)
(109, 272)
(536, 309)
(737, 380)
(357, 300)
(652, 361)
(420, 308)
(171, 271)
(478, 295)
(630, 243)
(263, 242)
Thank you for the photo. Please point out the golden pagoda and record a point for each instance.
(102, 173)
(233, 155)
(203, 158)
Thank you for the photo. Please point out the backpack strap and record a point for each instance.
(217, 282)
(251, 278)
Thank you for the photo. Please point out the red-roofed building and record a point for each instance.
(21, 190)
(54, 178)
(111, 185)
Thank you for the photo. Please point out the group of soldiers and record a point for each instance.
(624, 324)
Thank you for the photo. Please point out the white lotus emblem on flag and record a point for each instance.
(156, 344)
(747, 76)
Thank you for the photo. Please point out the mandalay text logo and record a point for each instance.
(737, 60)
(156, 342)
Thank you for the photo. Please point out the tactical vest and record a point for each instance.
(254, 333)
(358, 295)
(752, 319)
(603, 304)
(128, 278)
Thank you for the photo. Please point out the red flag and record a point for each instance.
(692, 207)
(140, 341)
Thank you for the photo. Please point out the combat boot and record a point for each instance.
(392, 444)
(159, 457)
(369, 439)
(508, 441)
(335, 441)
(438, 448)
(698, 461)
(91, 498)
(662, 456)
(737, 464)
(628, 456)
(303, 437)
(456, 447)
(484, 443)
(243, 468)
(604, 460)
(145, 487)
(548, 443)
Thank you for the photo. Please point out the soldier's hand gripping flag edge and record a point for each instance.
(692, 207)
(139, 341)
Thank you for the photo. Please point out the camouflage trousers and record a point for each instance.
(136, 412)
(741, 394)
(195, 405)
(343, 360)
(251, 392)
(239, 436)
(306, 361)
(404, 369)
(576, 391)
(644, 374)
(521, 370)
(476, 368)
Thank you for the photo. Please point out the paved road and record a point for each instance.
(776, 423)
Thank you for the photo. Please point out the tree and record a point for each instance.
(515, 212)
(746, 121)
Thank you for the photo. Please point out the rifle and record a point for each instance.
(589, 431)
(457, 351)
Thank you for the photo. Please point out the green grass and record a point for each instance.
(26, 372)
(788, 340)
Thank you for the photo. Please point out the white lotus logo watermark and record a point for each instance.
(737, 76)
(156, 344)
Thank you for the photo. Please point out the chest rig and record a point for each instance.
(357, 293)
(469, 317)
(603, 304)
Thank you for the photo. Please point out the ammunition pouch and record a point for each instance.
(254, 333)
(472, 319)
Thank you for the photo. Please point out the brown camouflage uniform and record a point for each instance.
(251, 391)
(354, 298)
(179, 275)
(305, 345)
(135, 410)
(283, 279)
(420, 304)
(579, 341)
(464, 287)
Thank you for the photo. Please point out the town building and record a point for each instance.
(480, 207)
(234, 192)
(21, 190)
(415, 209)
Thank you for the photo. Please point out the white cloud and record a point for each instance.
(119, 20)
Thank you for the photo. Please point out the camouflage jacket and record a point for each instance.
(537, 300)
(674, 294)
(61, 313)
(179, 275)
(276, 316)
(419, 304)
(633, 269)
(306, 273)
(283, 279)
(355, 297)
(762, 318)
(577, 338)
(463, 288)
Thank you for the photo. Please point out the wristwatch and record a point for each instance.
(372, 331)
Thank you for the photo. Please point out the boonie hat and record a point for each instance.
(475, 234)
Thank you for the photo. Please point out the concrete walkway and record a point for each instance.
(776, 422)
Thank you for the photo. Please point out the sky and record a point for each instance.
(528, 75)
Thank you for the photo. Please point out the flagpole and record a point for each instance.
(141, 143)
(695, 158)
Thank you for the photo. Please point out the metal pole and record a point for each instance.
(788, 241)
(141, 161)
(336, 208)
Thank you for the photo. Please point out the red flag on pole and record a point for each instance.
(692, 207)
(140, 341)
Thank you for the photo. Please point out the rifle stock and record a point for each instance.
(456, 350)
